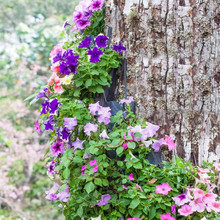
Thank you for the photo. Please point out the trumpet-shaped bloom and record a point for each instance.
(166, 217)
(185, 210)
(89, 127)
(57, 148)
(78, 144)
(163, 189)
(70, 123)
(95, 55)
(169, 142)
(104, 200)
(101, 40)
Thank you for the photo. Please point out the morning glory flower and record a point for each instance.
(66, 24)
(90, 127)
(185, 210)
(57, 148)
(104, 115)
(81, 24)
(169, 142)
(173, 209)
(51, 194)
(51, 167)
(70, 123)
(101, 40)
(118, 48)
(95, 54)
(104, 200)
(181, 199)
(78, 144)
(54, 105)
(58, 57)
(85, 43)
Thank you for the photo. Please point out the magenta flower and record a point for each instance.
(90, 127)
(82, 173)
(77, 15)
(119, 48)
(130, 177)
(83, 167)
(78, 144)
(104, 200)
(95, 54)
(81, 24)
(163, 189)
(65, 24)
(101, 40)
(94, 108)
(173, 209)
(169, 142)
(64, 195)
(96, 5)
(37, 127)
(70, 123)
(185, 210)
(125, 146)
(134, 218)
(104, 135)
(181, 199)
(166, 217)
(197, 205)
(92, 162)
(57, 148)
(51, 167)
(95, 168)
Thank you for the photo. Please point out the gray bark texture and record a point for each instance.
(173, 68)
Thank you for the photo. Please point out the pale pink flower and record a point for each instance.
(127, 101)
(125, 187)
(209, 197)
(58, 89)
(185, 210)
(216, 206)
(55, 50)
(166, 217)
(203, 171)
(163, 189)
(217, 166)
(197, 205)
(131, 177)
(198, 193)
(169, 142)
(138, 187)
(181, 199)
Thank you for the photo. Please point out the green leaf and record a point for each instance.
(88, 83)
(99, 89)
(89, 187)
(103, 63)
(66, 173)
(119, 150)
(95, 72)
(98, 181)
(77, 159)
(152, 213)
(138, 165)
(78, 83)
(116, 141)
(134, 203)
(80, 211)
(131, 145)
(77, 92)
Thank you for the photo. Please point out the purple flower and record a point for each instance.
(77, 15)
(104, 200)
(156, 145)
(104, 115)
(81, 24)
(70, 123)
(94, 108)
(96, 5)
(85, 43)
(90, 127)
(150, 130)
(64, 195)
(173, 209)
(49, 123)
(127, 101)
(78, 144)
(45, 107)
(42, 93)
(51, 194)
(37, 127)
(54, 105)
(95, 54)
(65, 133)
(87, 14)
(57, 148)
(101, 40)
(51, 166)
(66, 24)
(118, 48)
(58, 57)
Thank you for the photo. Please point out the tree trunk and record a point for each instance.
(173, 73)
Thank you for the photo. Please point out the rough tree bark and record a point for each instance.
(173, 73)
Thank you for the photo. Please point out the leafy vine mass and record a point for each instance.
(97, 160)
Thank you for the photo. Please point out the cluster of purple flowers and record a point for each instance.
(103, 113)
(84, 11)
(68, 62)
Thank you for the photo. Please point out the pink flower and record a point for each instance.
(95, 168)
(203, 171)
(169, 142)
(217, 166)
(94, 108)
(198, 193)
(125, 146)
(185, 210)
(138, 187)
(90, 127)
(134, 218)
(126, 188)
(166, 217)
(197, 205)
(181, 199)
(83, 168)
(92, 162)
(127, 101)
(216, 206)
(173, 209)
(209, 197)
(37, 127)
(163, 189)
(82, 173)
(131, 177)
(55, 68)
(55, 50)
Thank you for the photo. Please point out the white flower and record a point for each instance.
(66, 80)
(97, 218)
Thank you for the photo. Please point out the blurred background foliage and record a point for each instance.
(28, 31)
